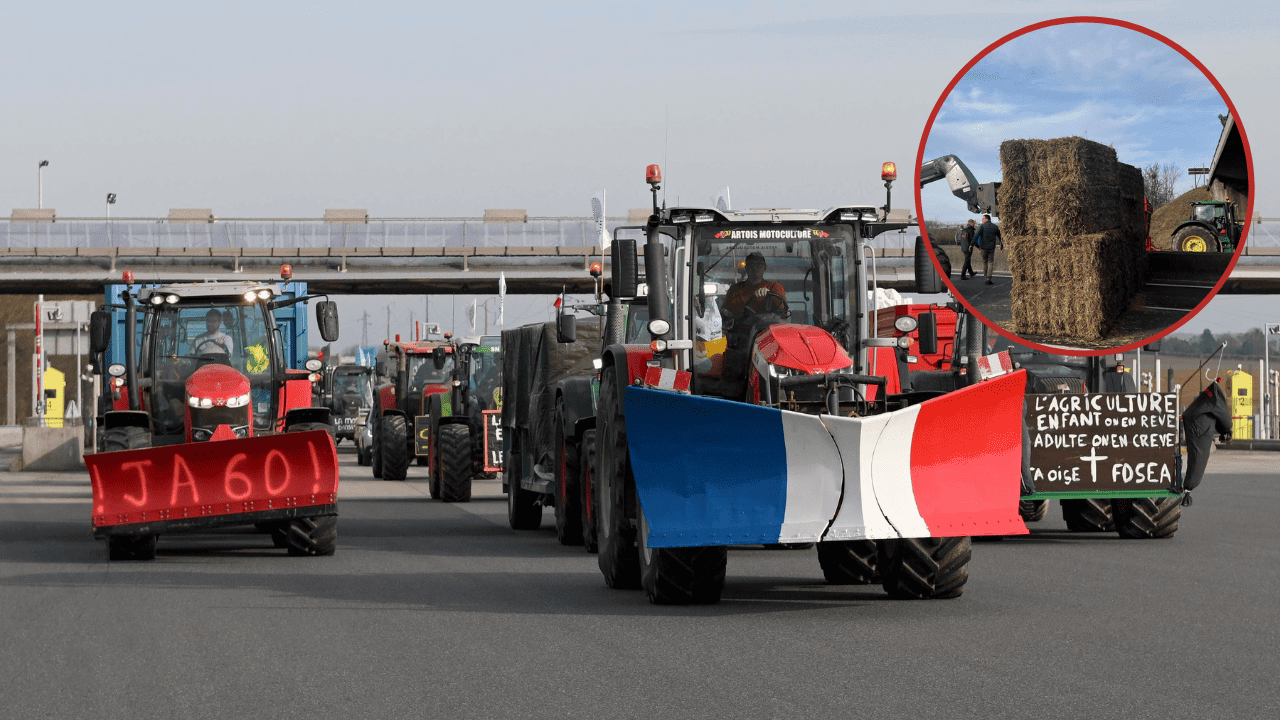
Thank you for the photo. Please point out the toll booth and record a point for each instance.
(1240, 392)
(55, 397)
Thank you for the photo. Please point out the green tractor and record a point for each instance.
(1212, 228)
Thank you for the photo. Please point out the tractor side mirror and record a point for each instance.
(380, 367)
(626, 276)
(928, 332)
(566, 328)
(99, 331)
(928, 281)
(327, 319)
(438, 358)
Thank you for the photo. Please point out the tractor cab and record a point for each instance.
(1212, 227)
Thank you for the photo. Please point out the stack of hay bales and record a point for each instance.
(1072, 219)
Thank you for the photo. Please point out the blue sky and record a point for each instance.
(1109, 84)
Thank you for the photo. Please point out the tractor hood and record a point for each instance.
(805, 348)
(217, 386)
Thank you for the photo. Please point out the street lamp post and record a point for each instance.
(111, 200)
(1268, 400)
(40, 183)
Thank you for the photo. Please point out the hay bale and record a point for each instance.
(1072, 287)
(1064, 186)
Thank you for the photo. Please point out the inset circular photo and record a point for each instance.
(1089, 182)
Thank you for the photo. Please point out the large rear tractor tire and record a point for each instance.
(523, 510)
(395, 447)
(1194, 238)
(125, 438)
(587, 491)
(680, 576)
(131, 547)
(1146, 518)
(453, 464)
(849, 562)
(1033, 510)
(568, 462)
(312, 535)
(619, 558)
(924, 568)
(1087, 515)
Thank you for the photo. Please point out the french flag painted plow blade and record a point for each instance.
(714, 472)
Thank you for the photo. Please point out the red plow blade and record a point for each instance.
(203, 483)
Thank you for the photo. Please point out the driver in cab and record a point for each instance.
(214, 341)
(755, 292)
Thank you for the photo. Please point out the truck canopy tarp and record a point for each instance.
(532, 363)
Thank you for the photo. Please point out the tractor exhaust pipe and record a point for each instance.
(131, 350)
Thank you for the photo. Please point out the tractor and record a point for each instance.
(208, 426)
(347, 390)
(778, 431)
(432, 382)
(1212, 227)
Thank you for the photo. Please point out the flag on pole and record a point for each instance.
(597, 213)
(502, 300)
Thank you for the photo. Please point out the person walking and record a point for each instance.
(966, 246)
(988, 236)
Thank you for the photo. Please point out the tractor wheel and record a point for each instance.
(587, 492)
(131, 547)
(362, 457)
(125, 438)
(307, 426)
(618, 559)
(848, 562)
(568, 462)
(375, 451)
(312, 535)
(681, 576)
(924, 568)
(1033, 510)
(1087, 515)
(395, 448)
(1146, 518)
(453, 462)
(1194, 238)
(523, 510)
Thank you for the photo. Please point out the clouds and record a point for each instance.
(1102, 82)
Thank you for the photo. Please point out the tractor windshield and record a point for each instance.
(486, 377)
(352, 390)
(1207, 213)
(187, 337)
(423, 372)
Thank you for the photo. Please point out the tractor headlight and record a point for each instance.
(171, 299)
(659, 327)
(264, 294)
(249, 296)
(157, 299)
(314, 364)
(238, 401)
(115, 370)
(906, 324)
(206, 403)
(201, 434)
(904, 341)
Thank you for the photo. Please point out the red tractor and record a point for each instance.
(209, 428)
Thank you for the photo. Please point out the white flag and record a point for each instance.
(502, 298)
(597, 213)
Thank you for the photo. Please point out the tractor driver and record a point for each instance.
(755, 292)
(213, 341)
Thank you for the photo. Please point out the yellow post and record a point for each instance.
(1240, 391)
(55, 394)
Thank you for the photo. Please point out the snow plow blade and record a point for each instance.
(714, 472)
(214, 483)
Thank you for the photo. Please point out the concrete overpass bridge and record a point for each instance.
(418, 256)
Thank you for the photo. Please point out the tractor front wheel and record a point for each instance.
(681, 576)
(568, 514)
(453, 462)
(132, 547)
(1087, 515)
(1033, 510)
(394, 447)
(848, 562)
(125, 438)
(924, 568)
(523, 510)
(1194, 238)
(312, 535)
(587, 491)
(618, 559)
(1146, 518)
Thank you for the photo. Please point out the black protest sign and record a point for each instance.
(1102, 441)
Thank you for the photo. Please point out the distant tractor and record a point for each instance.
(1212, 228)
(347, 390)
(196, 436)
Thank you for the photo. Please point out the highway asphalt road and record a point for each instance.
(433, 610)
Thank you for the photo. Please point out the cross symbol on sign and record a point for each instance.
(1093, 457)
